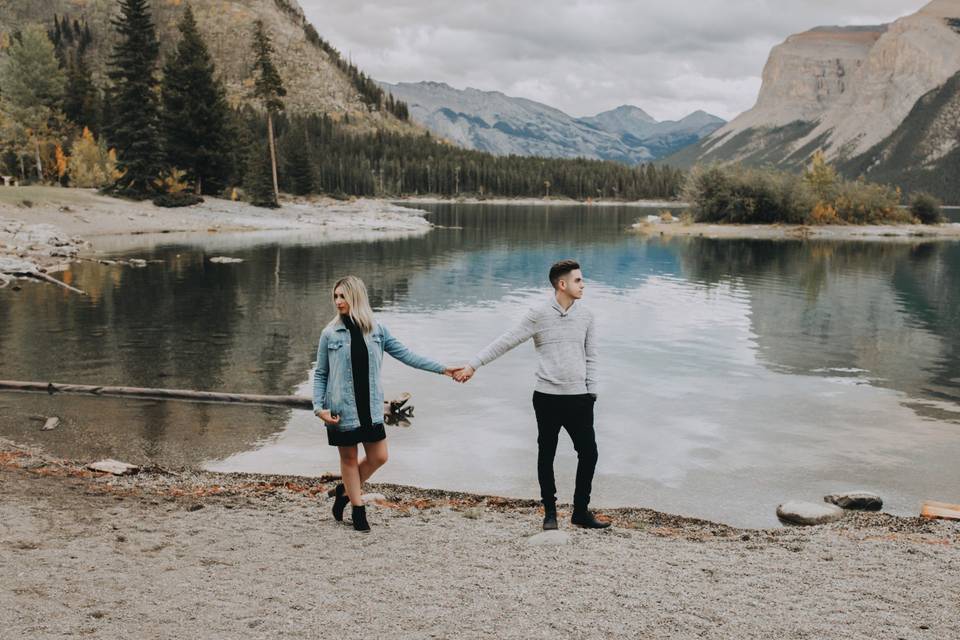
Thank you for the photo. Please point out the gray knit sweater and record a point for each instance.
(566, 343)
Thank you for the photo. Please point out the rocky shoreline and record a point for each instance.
(173, 551)
(43, 229)
(874, 233)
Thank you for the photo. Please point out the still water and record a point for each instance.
(734, 374)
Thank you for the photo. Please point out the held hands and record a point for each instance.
(464, 373)
(460, 374)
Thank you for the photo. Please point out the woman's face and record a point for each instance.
(340, 300)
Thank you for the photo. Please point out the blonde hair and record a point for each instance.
(355, 293)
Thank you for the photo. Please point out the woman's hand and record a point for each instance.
(463, 374)
(327, 417)
(455, 372)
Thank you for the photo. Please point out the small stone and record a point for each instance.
(195, 507)
(549, 539)
(115, 467)
(808, 513)
(859, 500)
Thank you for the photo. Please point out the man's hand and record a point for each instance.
(327, 417)
(464, 374)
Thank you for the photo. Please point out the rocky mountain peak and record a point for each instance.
(847, 88)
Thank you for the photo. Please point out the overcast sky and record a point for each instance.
(669, 58)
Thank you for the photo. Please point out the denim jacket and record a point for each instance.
(333, 377)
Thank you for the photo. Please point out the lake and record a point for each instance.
(735, 374)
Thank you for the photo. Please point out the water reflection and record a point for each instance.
(735, 373)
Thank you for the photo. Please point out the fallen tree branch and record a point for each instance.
(295, 402)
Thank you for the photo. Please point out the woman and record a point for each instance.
(347, 394)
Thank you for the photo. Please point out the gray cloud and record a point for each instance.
(585, 57)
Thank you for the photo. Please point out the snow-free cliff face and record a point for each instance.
(843, 89)
(494, 122)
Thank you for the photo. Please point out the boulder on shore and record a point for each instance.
(858, 500)
(115, 467)
(808, 513)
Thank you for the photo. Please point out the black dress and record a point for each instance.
(368, 431)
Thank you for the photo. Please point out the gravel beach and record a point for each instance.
(184, 554)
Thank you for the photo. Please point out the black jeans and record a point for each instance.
(575, 414)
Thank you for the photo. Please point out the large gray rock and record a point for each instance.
(858, 500)
(549, 539)
(808, 513)
(115, 467)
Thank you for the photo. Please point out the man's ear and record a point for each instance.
(561, 284)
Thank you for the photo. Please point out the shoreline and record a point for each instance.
(203, 483)
(877, 233)
(260, 556)
(44, 229)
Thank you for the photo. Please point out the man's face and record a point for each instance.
(572, 283)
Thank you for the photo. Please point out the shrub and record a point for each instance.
(763, 196)
(926, 208)
(861, 202)
(177, 199)
(747, 196)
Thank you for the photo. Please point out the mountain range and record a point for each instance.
(881, 101)
(503, 125)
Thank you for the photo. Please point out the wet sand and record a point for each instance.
(186, 554)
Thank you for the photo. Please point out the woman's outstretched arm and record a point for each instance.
(399, 351)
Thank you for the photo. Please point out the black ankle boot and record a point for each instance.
(550, 518)
(340, 501)
(360, 519)
(583, 518)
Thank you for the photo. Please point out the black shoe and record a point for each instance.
(550, 519)
(583, 518)
(360, 519)
(340, 501)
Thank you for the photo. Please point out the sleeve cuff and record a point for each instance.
(475, 363)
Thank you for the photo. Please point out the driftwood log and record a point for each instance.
(395, 411)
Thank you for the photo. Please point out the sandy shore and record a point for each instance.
(900, 232)
(201, 555)
(44, 228)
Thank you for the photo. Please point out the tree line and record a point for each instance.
(164, 130)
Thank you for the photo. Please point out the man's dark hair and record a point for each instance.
(560, 269)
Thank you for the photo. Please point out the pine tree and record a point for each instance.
(81, 102)
(258, 182)
(297, 165)
(32, 85)
(134, 128)
(195, 112)
(269, 89)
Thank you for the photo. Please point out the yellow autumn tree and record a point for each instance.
(60, 160)
(91, 165)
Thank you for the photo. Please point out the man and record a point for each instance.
(565, 338)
